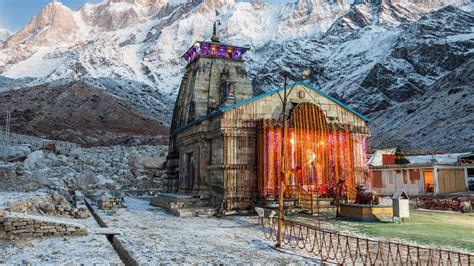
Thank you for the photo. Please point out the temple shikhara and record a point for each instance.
(226, 141)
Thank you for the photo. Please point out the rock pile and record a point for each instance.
(55, 205)
(86, 169)
(32, 227)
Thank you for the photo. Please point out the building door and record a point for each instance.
(428, 181)
(190, 171)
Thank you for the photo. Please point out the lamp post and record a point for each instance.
(282, 162)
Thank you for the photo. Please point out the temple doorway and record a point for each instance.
(190, 171)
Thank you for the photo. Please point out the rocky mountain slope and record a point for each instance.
(80, 114)
(377, 56)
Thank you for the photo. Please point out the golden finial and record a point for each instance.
(214, 37)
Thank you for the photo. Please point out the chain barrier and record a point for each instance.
(339, 248)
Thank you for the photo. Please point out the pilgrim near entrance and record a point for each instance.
(225, 144)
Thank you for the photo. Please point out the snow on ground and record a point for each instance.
(90, 249)
(86, 250)
(152, 236)
(157, 237)
(9, 197)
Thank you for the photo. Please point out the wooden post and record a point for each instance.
(435, 180)
(466, 179)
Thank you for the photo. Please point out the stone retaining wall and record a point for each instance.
(366, 213)
(110, 203)
(35, 227)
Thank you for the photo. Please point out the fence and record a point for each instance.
(35, 145)
(339, 248)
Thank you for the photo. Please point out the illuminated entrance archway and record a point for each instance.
(319, 154)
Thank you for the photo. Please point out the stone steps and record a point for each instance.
(321, 201)
(325, 209)
(204, 212)
(319, 204)
(183, 205)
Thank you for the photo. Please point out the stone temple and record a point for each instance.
(226, 142)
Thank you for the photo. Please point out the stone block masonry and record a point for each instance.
(110, 203)
(16, 225)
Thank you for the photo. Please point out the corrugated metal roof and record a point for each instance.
(448, 158)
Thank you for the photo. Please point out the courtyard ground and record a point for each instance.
(153, 236)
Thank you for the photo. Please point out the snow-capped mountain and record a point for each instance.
(374, 55)
(4, 34)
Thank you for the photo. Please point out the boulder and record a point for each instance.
(75, 153)
(63, 151)
(86, 179)
(46, 207)
(82, 213)
(141, 164)
(14, 153)
(35, 160)
(7, 172)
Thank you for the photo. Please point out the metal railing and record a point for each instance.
(340, 248)
(42, 144)
(304, 198)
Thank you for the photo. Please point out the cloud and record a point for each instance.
(94, 1)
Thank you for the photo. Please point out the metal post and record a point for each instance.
(7, 135)
(282, 173)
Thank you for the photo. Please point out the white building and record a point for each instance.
(420, 174)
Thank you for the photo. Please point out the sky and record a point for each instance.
(15, 14)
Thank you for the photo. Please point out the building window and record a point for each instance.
(405, 177)
(205, 49)
(377, 179)
(237, 53)
(214, 50)
(229, 89)
(230, 53)
(221, 51)
(414, 176)
(470, 178)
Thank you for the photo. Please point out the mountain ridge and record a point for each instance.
(351, 49)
